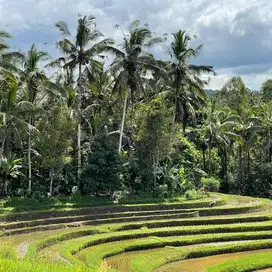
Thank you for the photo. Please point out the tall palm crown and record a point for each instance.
(188, 87)
(32, 73)
(182, 71)
(84, 49)
(82, 52)
(133, 58)
(3, 37)
(131, 61)
(9, 124)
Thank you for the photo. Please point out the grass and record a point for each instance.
(15, 205)
(23, 266)
(245, 264)
(99, 248)
(161, 259)
(141, 233)
(83, 236)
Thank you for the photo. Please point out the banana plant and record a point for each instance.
(10, 169)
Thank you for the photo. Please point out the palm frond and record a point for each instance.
(201, 69)
(63, 28)
(66, 47)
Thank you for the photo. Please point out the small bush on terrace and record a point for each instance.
(210, 184)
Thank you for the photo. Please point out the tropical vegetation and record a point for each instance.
(130, 125)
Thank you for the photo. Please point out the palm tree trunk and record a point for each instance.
(29, 158)
(6, 185)
(226, 171)
(248, 162)
(79, 166)
(270, 147)
(51, 174)
(174, 115)
(210, 160)
(123, 122)
(204, 159)
(210, 157)
(241, 180)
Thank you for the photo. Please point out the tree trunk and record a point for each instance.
(51, 174)
(6, 185)
(226, 171)
(174, 115)
(123, 122)
(79, 165)
(269, 147)
(204, 159)
(248, 162)
(29, 159)
(241, 174)
(210, 159)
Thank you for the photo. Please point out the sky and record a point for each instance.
(236, 34)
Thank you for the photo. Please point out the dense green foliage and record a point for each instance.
(135, 125)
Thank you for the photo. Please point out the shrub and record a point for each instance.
(210, 184)
(191, 194)
(161, 191)
(102, 173)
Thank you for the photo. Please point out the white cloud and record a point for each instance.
(237, 34)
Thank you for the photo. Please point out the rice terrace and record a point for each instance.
(135, 136)
(178, 235)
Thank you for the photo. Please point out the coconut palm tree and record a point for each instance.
(8, 122)
(12, 108)
(132, 59)
(264, 120)
(185, 78)
(219, 131)
(82, 52)
(29, 68)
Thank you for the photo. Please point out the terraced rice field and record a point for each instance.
(141, 238)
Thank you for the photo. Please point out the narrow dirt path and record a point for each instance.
(22, 249)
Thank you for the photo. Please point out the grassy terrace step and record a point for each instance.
(160, 259)
(245, 264)
(143, 233)
(7, 265)
(20, 205)
(178, 254)
(94, 233)
(99, 222)
(182, 214)
(159, 222)
(150, 222)
(95, 254)
(195, 222)
(220, 200)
